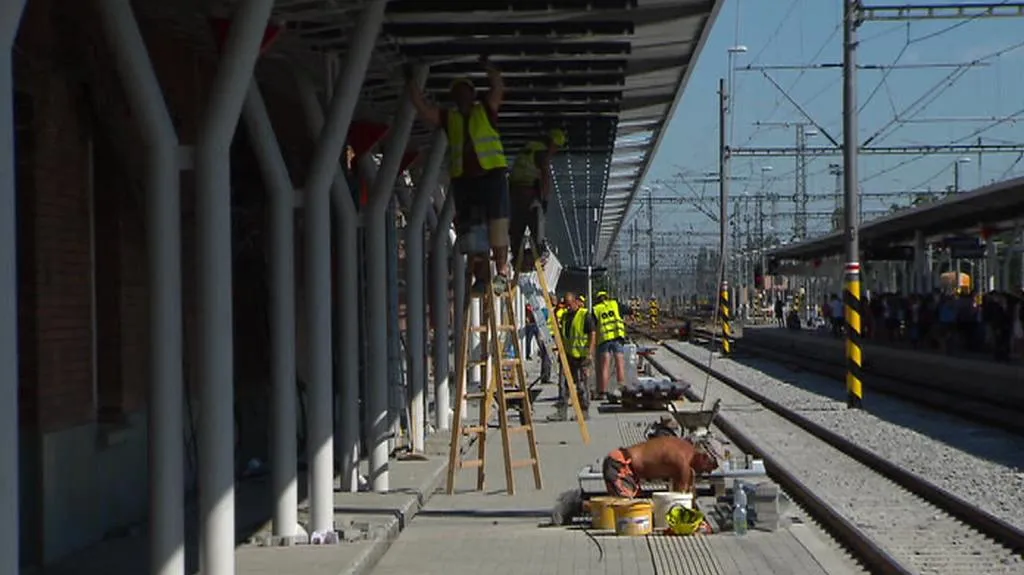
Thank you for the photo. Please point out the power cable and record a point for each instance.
(1009, 170)
(886, 72)
(931, 93)
(952, 26)
(913, 159)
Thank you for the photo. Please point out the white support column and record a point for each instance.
(475, 317)
(922, 274)
(991, 265)
(1012, 254)
(459, 265)
(283, 424)
(165, 416)
(216, 338)
(346, 378)
(440, 308)
(415, 306)
(321, 175)
(10, 17)
(376, 277)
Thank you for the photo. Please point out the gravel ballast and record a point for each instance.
(977, 463)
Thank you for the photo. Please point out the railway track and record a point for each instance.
(893, 520)
(1000, 415)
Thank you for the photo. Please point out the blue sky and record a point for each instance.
(800, 32)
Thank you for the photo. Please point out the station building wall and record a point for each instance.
(83, 293)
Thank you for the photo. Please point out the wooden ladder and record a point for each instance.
(560, 346)
(504, 380)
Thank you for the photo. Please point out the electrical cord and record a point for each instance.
(600, 548)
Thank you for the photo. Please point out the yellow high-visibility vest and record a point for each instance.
(525, 171)
(486, 140)
(580, 340)
(610, 324)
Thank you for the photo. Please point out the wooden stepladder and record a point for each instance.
(504, 381)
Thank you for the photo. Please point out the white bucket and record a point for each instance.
(665, 501)
(632, 376)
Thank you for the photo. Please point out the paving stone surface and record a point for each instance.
(495, 533)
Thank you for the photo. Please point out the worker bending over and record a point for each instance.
(661, 458)
(580, 336)
(531, 184)
(611, 338)
(478, 168)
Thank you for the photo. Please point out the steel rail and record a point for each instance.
(869, 553)
(997, 529)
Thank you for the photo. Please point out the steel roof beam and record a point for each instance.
(515, 94)
(471, 67)
(442, 6)
(519, 48)
(561, 28)
(513, 82)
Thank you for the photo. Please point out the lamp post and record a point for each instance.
(956, 172)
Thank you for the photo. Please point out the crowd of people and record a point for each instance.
(962, 323)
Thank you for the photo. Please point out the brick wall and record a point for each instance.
(59, 242)
(77, 108)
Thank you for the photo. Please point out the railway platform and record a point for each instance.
(367, 523)
(950, 372)
(471, 532)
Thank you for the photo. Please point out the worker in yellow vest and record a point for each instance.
(611, 336)
(478, 168)
(531, 184)
(580, 334)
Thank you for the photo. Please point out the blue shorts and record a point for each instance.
(612, 346)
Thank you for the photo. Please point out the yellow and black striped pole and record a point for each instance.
(851, 206)
(726, 319)
(854, 357)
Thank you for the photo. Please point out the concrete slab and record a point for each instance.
(988, 378)
(379, 517)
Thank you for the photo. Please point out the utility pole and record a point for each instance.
(738, 278)
(800, 198)
(836, 170)
(650, 235)
(723, 215)
(851, 293)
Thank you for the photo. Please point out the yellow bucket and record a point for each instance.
(602, 512)
(634, 517)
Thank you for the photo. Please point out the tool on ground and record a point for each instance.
(505, 380)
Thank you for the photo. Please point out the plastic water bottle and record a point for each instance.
(739, 509)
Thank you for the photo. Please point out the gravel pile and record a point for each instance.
(923, 537)
(984, 466)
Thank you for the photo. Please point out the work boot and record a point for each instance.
(500, 283)
(561, 414)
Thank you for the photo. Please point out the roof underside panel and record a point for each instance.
(608, 72)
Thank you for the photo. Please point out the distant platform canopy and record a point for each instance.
(988, 210)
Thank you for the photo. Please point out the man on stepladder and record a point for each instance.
(478, 169)
(531, 185)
